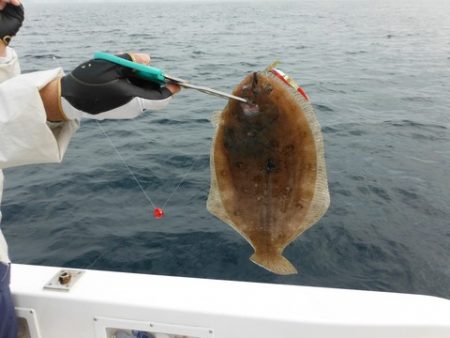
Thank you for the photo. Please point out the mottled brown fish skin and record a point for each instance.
(265, 165)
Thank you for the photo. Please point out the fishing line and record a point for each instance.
(96, 259)
(181, 182)
(126, 165)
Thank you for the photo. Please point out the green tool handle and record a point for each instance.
(142, 71)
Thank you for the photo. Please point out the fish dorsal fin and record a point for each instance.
(215, 118)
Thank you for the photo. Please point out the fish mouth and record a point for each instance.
(250, 109)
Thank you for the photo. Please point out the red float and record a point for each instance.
(158, 213)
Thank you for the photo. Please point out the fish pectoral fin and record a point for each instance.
(275, 263)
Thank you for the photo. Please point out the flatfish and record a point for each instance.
(268, 175)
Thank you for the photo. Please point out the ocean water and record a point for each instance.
(378, 73)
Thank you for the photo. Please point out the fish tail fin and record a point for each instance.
(275, 263)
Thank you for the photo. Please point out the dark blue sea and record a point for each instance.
(378, 73)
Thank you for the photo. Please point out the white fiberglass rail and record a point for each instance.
(111, 304)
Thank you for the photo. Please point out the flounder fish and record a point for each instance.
(268, 175)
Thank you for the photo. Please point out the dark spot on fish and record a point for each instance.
(257, 178)
(299, 205)
(227, 145)
(270, 165)
(268, 88)
(288, 149)
(229, 138)
(229, 132)
(274, 143)
(240, 164)
(223, 173)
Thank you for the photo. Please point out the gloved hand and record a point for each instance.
(101, 89)
(11, 19)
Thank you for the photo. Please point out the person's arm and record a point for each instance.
(25, 136)
(49, 96)
(101, 91)
(2, 49)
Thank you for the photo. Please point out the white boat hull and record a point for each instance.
(100, 303)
